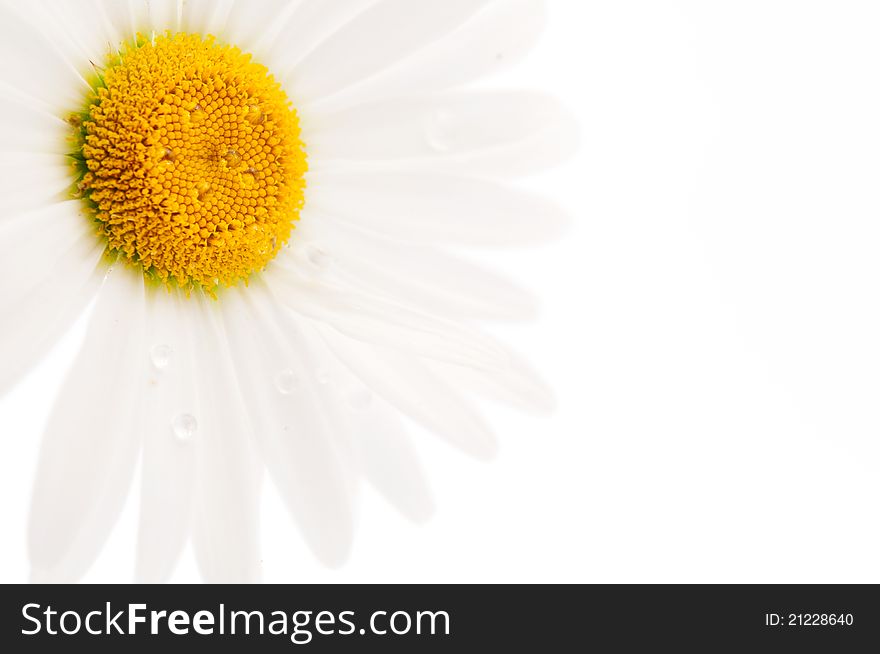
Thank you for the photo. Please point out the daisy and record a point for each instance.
(257, 201)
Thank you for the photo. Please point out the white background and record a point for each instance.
(710, 322)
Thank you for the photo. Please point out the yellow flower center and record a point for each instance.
(190, 157)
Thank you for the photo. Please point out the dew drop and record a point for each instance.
(255, 115)
(232, 158)
(184, 426)
(248, 178)
(204, 191)
(438, 132)
(197, 115)
(322, 376)
(160, 356)
(286, 382)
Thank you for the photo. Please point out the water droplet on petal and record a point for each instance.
(438, 132)
(160, 356)
(322, 376)
(286, 382)
(184, 426)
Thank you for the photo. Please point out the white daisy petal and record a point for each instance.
(390, 462)
(496, 134)
(495, 38)
(81, 30)
(122, 17)
(417, 276)
(29, 182)
(226, 533)
(473, 359)
(377, 315)
(32, 327)
(36, 132)
(31, 240)
(309, 25)
(291, 431)
(417, 393)
(434, 208)
(89, 449)
(374, 40)
(29, 103)
(48, 76)
(169, 423)
(364, 426)
(88, 26)
(373, 320)
(133, 17)
(208, 16)
(37, 310)
(515, 384)
(246, 23)
(164, 15)
(318, 370)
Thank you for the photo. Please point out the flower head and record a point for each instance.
(251, 310)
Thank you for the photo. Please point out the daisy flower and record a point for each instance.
(258, 203)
